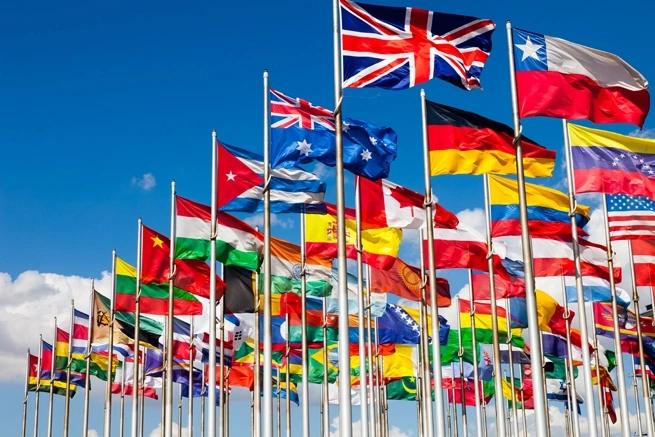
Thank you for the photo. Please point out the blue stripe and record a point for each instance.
(611, 158)
(594, 293)
(295, 186)
(541, 213)
(242, 204)
(81, 315)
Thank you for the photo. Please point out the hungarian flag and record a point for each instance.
(380, 246)
(286, 270)
(462, 142)
(388, 205)
(153, 297)
(237, 243)
(558, 78)
(404, 281)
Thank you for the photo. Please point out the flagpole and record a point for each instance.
(256, 395)
(52, 382)
(500, 407)
(179, 412)
(436, 349)
(110, 357)
(460, 354)
(478, 411)
(642, 360)
(142, 398)
(202, 403)
(540, 407)
(569, 364)
(303, 322)
(168, 384)
(121, 429)
(287, 401)
(511, 373)
(279, 404)
(454, 403)
(425, 361)
(623, 397)
(87, 374)
(38, 387)
(221, 384)
(266, 269)
(325, 401)
(372, 423)
(604, 431)
(68, 370)
(635, 389)
(211, 420)
(345, 407)
(134, 419)
(25, 399)
(190, 391)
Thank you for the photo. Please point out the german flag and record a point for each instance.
(462, 142)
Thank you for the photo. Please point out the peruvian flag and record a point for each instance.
(233, 177)
(388, 205)
(558, 78)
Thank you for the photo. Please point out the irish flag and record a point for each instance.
(286, 270)
(237, 243)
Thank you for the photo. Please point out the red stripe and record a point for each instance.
(452, 254)
(150, 305)
(537, 228)
(566, 267)
(598, 180)
(614, 228)
(575, 96)
(620, 218)
(189, 208)
(80, 332)
(329, 250)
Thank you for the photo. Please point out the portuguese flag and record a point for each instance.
(237, 244)
(153, 297)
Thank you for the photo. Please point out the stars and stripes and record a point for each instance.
(630, 217)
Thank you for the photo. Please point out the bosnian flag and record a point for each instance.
(240, 184)
(558, 78)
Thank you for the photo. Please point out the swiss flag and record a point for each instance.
(234, 177)
(388, 205)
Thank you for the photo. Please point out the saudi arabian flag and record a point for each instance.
(237, 243)
(402, 389)
(286, 271)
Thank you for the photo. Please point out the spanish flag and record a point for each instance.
(380, 246)
(462, 142)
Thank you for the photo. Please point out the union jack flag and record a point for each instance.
(288, 111)
(397, 48)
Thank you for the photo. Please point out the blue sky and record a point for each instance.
(95, 96)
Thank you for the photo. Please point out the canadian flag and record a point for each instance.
(388, 205)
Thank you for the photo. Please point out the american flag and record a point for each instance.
(397, 47)
(630, 217)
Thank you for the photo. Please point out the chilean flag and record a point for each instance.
(558, 78)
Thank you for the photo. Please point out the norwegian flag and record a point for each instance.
(397, 48)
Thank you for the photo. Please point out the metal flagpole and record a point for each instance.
(363, 405)
(515, 422)
(110, 356)
(372, 423)
(287, 381)
(642, 360)
(52, 382)
(325, 401)
(256, 395)
(303, 323)
(454, 403)
(267, 418)
(190, 390)
(134, 419)
(87, 375)
(38, 387)
(168, 389)
(164, 391)
(211, 386)
(604, 432)
(227, 409)
(478, 412)
(179, 412)
(121, 429)
(540, 407)
(569, 365)
(25, 399)
(500, 407)
(440, 426)
(68, 370)
(221, 384)
(586, 358)
(279, 404)
(623, 397)
(635, 388)
(202, 403)
(142, 399)
(460, 354)
(425, 361)
(345, 407)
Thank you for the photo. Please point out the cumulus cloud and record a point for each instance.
(394, 431)
(257, 220)
(28, 304)
(93, 433)
(157, 432)
(146, 182)
(473, 218)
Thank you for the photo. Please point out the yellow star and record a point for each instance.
(157, 242)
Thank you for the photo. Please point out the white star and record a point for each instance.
(304, 147)
(366, 155)
(231, 176)
(529, 49)
(373, 140)
(345, 126)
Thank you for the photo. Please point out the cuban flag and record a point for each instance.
(558, 78)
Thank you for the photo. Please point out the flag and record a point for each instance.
(505, 287)
(548, 210)
(595, 290)
(611, 163)
(378, 300)
(627, 323)
(456, 396)
(153, 298)
(237, 243)
(239, 295)
(149, 383)
(397, 48)
(630, 217)
(402, 389)
(62, 340)
(460, 248)
(286, 274)
(379, 246)
(403, 208)
(402, 363)
(396, 326)
(303, 133)
(449, 351)
(241, 375)
(483, 323)
(558, 78)
(38, 383)
(643, 256)
(405, 281)
(241, 185)
(462, 142)
(47, 360)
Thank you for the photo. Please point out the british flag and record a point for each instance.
(397, 48)
(289, 111)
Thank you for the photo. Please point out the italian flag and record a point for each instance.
(237, 243)
(286, 270)
(153, 297)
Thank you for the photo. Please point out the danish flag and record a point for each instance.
(397, 48)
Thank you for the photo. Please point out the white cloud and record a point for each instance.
(276, 221)
(394, 431)
(146, 182)
(28, 304)
(93, 433)
(473, 218)
(157, 432)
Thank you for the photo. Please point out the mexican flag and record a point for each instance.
(237, 243)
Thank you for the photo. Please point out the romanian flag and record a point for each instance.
(483, 323)
(462, 142)
(380, 246)
(548, 209)
(610, 163)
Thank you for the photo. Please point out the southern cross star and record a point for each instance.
(366, 155)
(304, 147)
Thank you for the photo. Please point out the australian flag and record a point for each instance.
(303, 133)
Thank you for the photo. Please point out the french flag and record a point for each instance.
(558, 78)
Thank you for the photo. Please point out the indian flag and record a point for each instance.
(286, 274)
(237, 243)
